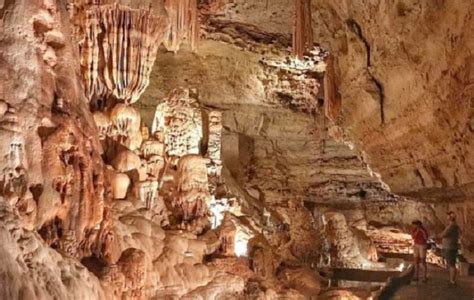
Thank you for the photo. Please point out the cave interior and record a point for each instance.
(233, 149)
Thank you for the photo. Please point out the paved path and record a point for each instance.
(437, 288)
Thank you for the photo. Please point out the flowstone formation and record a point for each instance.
(169, 193)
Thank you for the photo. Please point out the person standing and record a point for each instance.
(420, 240)
(450, 243)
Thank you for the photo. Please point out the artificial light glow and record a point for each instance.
(240, 248)
(401, 267)
(242, 238)
(217, 208)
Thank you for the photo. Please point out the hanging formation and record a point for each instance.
(184, 24)
(118, 51)
(302, 29)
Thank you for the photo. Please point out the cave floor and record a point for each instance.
(437, 287)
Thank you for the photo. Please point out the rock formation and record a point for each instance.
(303, 30)
(118, 46)
(185, 25)
(137, 168)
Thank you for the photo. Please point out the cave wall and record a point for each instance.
(288, 163)
(405, 77)
(403, 71)
(48, 134)
(403, 68)
(269, 144)
(48, 137)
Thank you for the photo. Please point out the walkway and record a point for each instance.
(437, 288)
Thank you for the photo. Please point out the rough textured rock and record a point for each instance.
(405, 105)
(32, 270)
(50, 143)
(410, 106)
(419, 91)
(241, 170)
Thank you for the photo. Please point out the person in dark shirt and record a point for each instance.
(450, 244)
(420, 241)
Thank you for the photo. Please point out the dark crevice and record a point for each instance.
(381, 94)
(355, 27)
(247, 32)
(94, 265)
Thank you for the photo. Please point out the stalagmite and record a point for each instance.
(120, 183)
(104, 125)
(227, 235)
(214, 143)
(193, 191)
(126, 126)
(152, 148)
(302, 29)
(147, 192)
(126, 160)
(185, 24)
(178, 122)
(125, 119)
(332, 99)
(118, 49)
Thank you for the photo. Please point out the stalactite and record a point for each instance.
(302, 29)
(185, 24)
(118, 50)
(332, 99)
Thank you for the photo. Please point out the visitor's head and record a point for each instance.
(417, 223)
(451, 217)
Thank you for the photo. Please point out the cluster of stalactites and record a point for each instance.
(302, 29)
(184, 24)
(118, 50)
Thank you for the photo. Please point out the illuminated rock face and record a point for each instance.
(53, 180)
